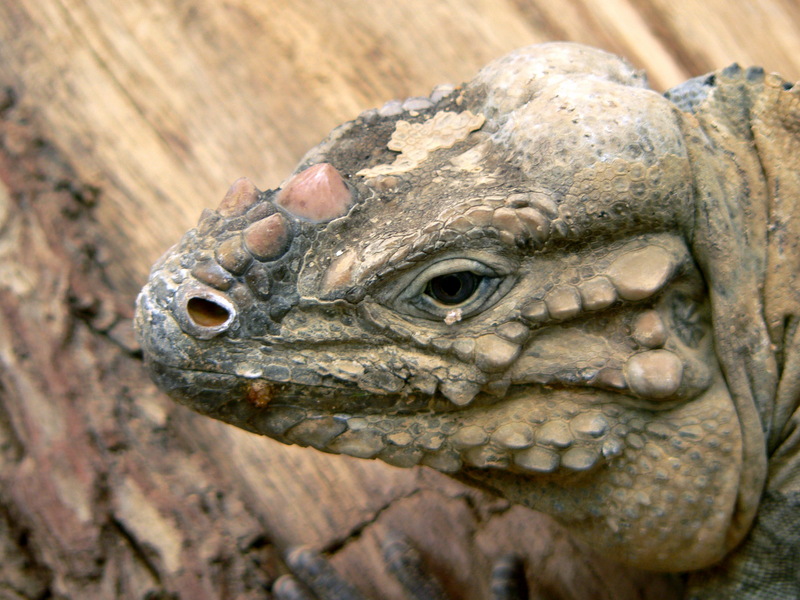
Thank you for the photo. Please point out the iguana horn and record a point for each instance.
(240, 196)
(318, 194)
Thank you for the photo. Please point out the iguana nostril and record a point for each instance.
(203, 312)
(206, 313)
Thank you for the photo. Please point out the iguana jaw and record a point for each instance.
(664, 502)
(531, 430)
(639, 484)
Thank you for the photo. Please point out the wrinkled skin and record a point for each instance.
(500, 282)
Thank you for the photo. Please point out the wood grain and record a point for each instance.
(166, 103)
(121, 121)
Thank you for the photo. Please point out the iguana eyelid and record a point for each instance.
(411, 298)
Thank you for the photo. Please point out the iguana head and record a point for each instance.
(495, 282)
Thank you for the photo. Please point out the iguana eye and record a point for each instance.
(454, 288)
(464, 283)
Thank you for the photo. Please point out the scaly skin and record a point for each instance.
(508, 282)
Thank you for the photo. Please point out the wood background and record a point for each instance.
(120, 122)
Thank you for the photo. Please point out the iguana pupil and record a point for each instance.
(453, 288)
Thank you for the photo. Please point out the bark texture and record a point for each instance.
(119, 122)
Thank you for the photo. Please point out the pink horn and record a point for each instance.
(318, 194)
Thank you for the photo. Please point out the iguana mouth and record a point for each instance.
(533, 429)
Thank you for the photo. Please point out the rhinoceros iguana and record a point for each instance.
(551, 282)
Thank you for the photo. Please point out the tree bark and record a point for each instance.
(119, 122)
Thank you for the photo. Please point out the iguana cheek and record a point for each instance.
(641, 273)
(649, 352)
(649, 488)
(634, 275)
(648, 329)
(654, 374)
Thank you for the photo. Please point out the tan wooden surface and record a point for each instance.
(164, 103)
(159, 105)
